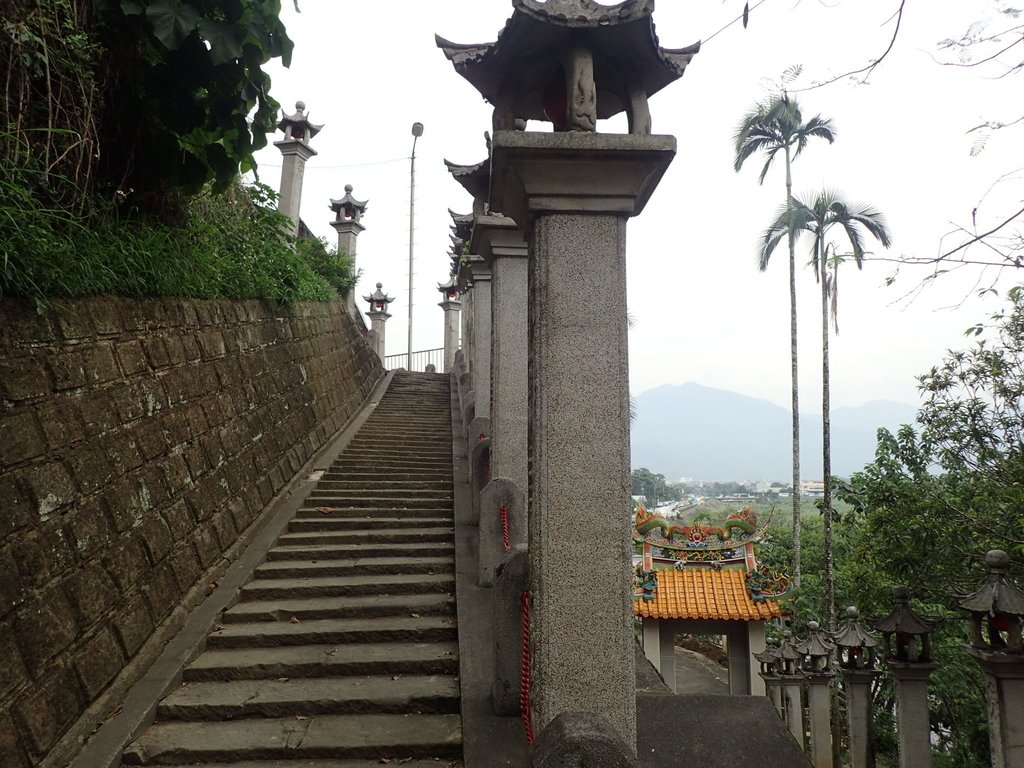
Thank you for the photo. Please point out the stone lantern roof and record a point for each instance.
(348, 208)
(379, 300)
(856, 645)
(912, 631)
(450, 289)
(574, 62)
(999, 604)
(475, 179)
(297, 125)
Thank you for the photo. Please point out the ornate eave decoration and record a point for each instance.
(348, 207)
(475, 179)
(462, 226)
(571, 62)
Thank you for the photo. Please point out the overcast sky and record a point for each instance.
(703, 311)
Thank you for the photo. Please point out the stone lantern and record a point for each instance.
(570, 193)
(816, 664)
(348, 213)
(855, 648)
(770, 660)
(295, 151)
(378, 315)
(996, 612)
(451, 305)
(906, 644)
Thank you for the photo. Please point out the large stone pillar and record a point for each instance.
(481, 353)
(572, 194)
(295, 151)
(912, 722)
(498, 240)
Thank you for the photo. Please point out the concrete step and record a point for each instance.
(364, 523)
(384, 629)
(339, 586)
(370, 737)
(369, 510)
(283, 609)
(303, 569)
(368, 482)
(395, 477)
(441, 658)
(393, 501)
(345, 551)
(377, 492)
(283, 697)
(368, 536)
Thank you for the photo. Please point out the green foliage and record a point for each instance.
(228, 247)
(190, 100)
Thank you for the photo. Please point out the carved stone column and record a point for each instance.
(451, 306)
(378, 315)
(481, 355)
(348, 214)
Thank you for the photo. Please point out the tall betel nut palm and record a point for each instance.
(828, 211)
(772, 127)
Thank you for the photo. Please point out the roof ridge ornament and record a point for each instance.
(586, 12)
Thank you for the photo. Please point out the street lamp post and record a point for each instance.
(417, 131)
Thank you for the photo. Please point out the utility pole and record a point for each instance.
(417, 131)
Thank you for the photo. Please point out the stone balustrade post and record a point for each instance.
(295, 151)
(451, 306)
(378, 315)
(997, 617)
(511, 580)
(348, 214)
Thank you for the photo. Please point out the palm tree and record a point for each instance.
(772, 127)
(828, 210)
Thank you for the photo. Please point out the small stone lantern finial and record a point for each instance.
(379, 301)
(997, 609)
(856, 646)
(789, 655)
(297, 126)
(910, 630)
(816, 651)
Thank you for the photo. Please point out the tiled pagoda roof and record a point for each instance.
(704, 593)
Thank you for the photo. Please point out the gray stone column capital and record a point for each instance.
(480, 269)
(497, 237)
(575, 173)
(348, 227)
(911, 672)
(293, 147)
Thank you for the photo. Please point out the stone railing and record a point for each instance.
(798, 672)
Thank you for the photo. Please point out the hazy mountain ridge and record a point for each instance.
(690, 430)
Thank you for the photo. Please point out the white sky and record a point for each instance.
(703, 312)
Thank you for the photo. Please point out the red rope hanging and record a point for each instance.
(505, 542)
(524, 672)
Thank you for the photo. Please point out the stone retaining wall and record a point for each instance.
(138, 438)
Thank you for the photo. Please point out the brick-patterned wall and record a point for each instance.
(137, 439)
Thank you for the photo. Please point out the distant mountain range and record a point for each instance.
(690, 430)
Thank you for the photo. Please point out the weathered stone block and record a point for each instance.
(91, 592)
(105, 317)
(176, 473)
(133, 627)
(12, 590)
(61, 424)
(156, 352)
(149, 439)
(44, 628)
(20, 438)
(12, 672)
(24, 378)
(91, 468)
(185, 566)
(55, 704)
(68, 371)
(98, 662)
(98, 415)
(100, 365)
(127, 564)
(16, 509)
(90, 528)
(155, 537)
(74, 322)
(162, 592)
(130, 358)
(52, 488)
(206, 546)
(11, 753)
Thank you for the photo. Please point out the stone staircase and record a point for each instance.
(342, 651)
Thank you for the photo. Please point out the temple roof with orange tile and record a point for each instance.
(704, 593)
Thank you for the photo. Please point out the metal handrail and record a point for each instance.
(420, 360)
